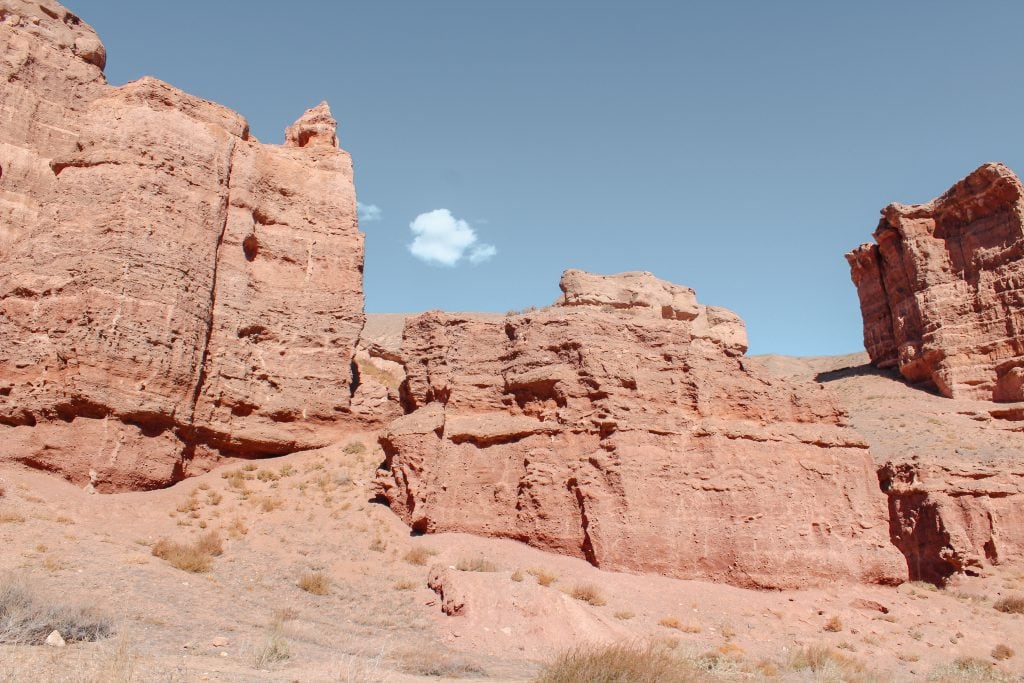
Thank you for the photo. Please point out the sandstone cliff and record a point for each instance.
(623, 426)
(170, 289)
(942, 289)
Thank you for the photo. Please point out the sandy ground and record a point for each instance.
(310, 512)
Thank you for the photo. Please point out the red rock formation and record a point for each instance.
(622, 426)
(951, 518)
(170, 288)
(942, 290)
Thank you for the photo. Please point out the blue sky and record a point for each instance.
(738, 147)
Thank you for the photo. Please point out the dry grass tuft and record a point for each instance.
(623, 663)
(825, 662)
(7, 517)
(316, 583)
(477, 564)
(588, 593)
(673, 622)
(965, 669)
(26, 617)
(543, 576)
(1001, 652)
(833, 625)
(517, 575)
(1011, 604)
(624, 615)
(190, 557)
(274, 648)
(419, 555)
(355, 448)
(405, 585)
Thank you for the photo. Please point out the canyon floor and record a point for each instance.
(369, 614)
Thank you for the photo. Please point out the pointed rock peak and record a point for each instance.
(315, 128)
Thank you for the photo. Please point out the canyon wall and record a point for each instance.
(171, 290)
(942, 288)
(622, 426)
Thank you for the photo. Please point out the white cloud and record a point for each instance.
(481, 253)
(441, 238)
(368, 213)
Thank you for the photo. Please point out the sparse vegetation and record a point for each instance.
(624, 663)
(1011, 604)
(26, 617)
(588, 593)
(833, 625)
(404, 584)
(967, 669)
(543, 576)
(190, 557)
(316, 583)
(354, 448)
(517, 575)
(477, 564)
(674, 622)
(274, 648)
(825, 662)
(1001, 652)
(624, 615)
(8, 517)
(419, 555)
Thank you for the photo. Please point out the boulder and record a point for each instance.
(171, 290)
(942, 288)
(623, 426)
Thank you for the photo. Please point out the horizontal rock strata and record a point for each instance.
(942, 288)
(622, 426)
(170, 289)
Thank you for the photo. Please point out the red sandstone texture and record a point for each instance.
(624, 427)
(170, 289)
(942, 289)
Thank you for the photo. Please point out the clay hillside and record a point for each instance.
(215, 466)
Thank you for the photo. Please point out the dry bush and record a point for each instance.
(190, 557)
(670, 622)
(1001, 652)
(477, 564)
(623, 663)
(833, 625)
(517, 575)
(673, 622)
(8, 517)
(419, 555)
(26, 617)
(825, 662)
(405, 584)
(543, 576)
(1011, 604)
(434, 664)
(316, 583)
(270, 503)
(354, 448)
(213, 498)
(624, 615)
(965, 669)
(267, 475)
(378, 545)
(237, 528)
(588, 593)
(274, 648)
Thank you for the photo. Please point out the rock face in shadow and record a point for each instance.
(171, 290)
(623, 426)
(942, 288)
